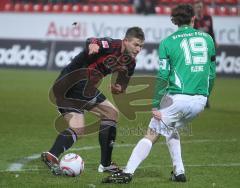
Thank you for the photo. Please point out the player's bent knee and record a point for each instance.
(79, 131)
(152, 135)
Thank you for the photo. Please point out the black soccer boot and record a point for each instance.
(178, 178)
(118, 177)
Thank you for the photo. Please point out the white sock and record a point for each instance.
(174, 147)
(139, 153)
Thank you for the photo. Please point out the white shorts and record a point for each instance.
(177, 110)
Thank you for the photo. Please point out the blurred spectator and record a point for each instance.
(204, 23)
(144, 6)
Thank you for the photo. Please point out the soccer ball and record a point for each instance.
(72, 164)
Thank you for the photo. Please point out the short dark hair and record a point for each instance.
(135, 32)
(182, 14)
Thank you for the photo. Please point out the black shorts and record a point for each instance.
(79, 98)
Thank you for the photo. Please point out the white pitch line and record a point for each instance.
(17, 166)
(98, 147)
(198, 165)
(159, 143)
(224, 165)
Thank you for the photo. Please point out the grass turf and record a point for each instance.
(210, 147)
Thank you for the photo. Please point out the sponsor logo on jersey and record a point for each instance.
(105, 44)
(162, 64)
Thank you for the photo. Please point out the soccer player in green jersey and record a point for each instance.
(185, 78)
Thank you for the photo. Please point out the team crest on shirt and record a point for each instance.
(105, 44)
(162, 64)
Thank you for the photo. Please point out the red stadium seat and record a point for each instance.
(209, 10)
(220, 1)
(106, 9)
(77, 8)
(28, 7)
(159, 10)
(47, 8)
(122, 1)
(127, 9)
(18, 7)
(167, 10)
(175, 2)
(115, 9)
(222, 11)
(86, 8)
(38, 8)
(207, 1)
(9, 7)
(67, 8)
(186, 1)
(164, 1)
(107, 1)
(94, 9)
(57, 8)
(233, 11)
(232, 2)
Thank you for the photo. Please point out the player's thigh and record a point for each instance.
(160, 127)
(152, 135)
(197, 106)
(75, 121)
(173, 112)
(178, 109)
(106, 110)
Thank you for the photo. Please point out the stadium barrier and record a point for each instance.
(54, 55)
(51, 42)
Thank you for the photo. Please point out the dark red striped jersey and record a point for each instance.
(205, 24)
(109, 59)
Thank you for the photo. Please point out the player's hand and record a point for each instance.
(156, 114)
(116, 89)
(93, 49)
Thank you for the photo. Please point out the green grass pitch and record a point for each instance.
(211, 145)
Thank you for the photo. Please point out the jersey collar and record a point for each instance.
(183, 27)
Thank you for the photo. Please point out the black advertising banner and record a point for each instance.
(228, 60)
(54, 55)
(63, 53)
(24, 53)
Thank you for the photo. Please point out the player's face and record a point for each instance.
(198, 8)
(133, 46)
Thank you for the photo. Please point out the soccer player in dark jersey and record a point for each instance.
(77, 84)
(204, 23)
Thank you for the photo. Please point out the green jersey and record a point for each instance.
(186, 64)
